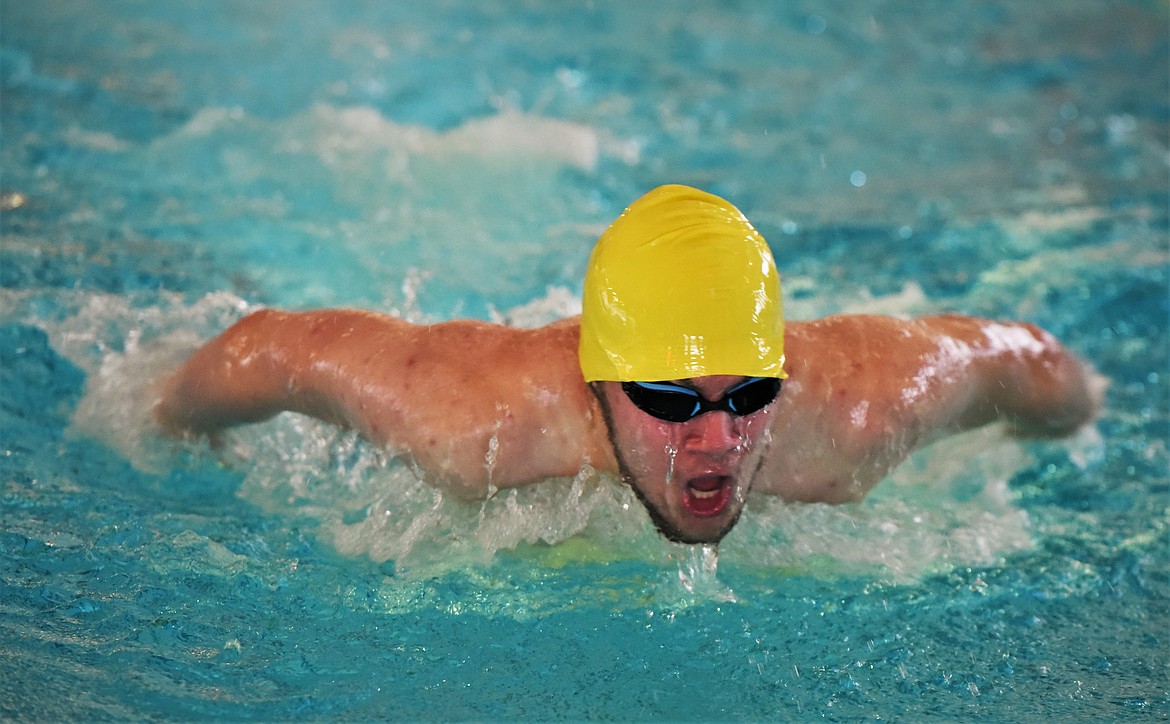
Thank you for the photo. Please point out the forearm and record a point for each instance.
(236, 378)
(1040, 387)
(977, 371)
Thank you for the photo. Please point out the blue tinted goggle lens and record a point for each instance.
(675, 403)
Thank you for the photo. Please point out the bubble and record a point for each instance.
(815, 24)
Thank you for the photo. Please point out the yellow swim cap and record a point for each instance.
(681, 285)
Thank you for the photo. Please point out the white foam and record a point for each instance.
(947, 506)
(558, 303)
(371, 505)
(344, 137)
(125, 347)
(95, 140)
(807, 298)
(512, 134)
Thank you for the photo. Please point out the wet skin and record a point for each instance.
(693, 477)
(863, 392)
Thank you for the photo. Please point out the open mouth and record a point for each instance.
(707, 495)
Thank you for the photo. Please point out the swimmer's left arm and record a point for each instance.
(1036, 384)
(865, 391)
(1013, 372)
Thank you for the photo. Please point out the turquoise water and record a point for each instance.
(167, 167)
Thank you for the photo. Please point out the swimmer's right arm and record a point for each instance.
(477, 405)
(247, 374)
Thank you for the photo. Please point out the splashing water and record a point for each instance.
(697, 580)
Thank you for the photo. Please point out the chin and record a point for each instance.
(678, 536)
(708, 537)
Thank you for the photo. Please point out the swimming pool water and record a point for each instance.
(167, 167)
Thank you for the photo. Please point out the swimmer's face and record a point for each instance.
(693, 476)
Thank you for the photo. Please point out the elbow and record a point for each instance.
(1074, 399)
(229, 381)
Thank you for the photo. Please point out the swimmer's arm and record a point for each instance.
(1024, 376)
(257, 368)
(475, 405)
(865, 391)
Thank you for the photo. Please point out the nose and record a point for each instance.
(713, 433)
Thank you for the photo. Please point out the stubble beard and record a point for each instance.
(666, 528)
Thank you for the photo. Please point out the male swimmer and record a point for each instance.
(679, 376)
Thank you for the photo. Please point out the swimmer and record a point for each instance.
(680, 377)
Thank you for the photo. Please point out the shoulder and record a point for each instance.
(854, 344)
(881, 373)
(482, 343)
(845, 364)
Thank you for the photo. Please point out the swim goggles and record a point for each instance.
(675, 403)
